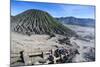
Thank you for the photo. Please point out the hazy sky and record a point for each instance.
(56, 10)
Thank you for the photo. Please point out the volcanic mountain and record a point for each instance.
(38, 22)
(77, 21)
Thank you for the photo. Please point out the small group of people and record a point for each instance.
(63, 55)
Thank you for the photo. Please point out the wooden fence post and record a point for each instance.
(27, 60)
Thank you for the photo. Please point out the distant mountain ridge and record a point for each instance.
(38, 22)
(77, 21)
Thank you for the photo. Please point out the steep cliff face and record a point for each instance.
(38, 22)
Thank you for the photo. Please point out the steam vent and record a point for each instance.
(38, 22)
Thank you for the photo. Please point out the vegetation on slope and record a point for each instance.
(38, 22)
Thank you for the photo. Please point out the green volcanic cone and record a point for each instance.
(38, 22)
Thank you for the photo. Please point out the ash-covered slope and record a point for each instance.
(38, 22)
